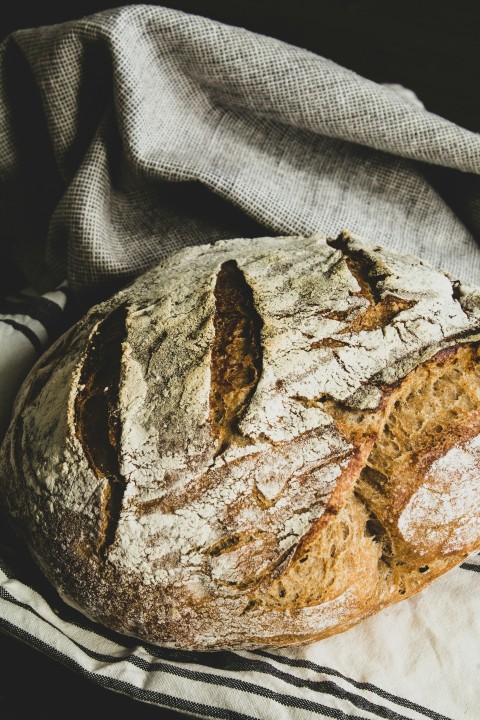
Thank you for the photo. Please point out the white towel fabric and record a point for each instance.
(134, 132)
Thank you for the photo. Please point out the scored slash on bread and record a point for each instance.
(259, 442)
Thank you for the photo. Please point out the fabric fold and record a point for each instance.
(130, 100)
(129, 134)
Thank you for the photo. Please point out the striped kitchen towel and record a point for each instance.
(413, 661)
(163, 130)
(29, 323)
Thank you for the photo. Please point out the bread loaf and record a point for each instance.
(257, 443)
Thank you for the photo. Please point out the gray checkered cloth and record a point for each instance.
(137, 131)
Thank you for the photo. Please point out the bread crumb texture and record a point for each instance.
(257, 443)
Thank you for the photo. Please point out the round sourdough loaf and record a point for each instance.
(259, 442)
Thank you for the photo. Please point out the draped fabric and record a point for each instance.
(134, 132)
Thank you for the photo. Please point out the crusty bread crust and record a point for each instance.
(259, 442)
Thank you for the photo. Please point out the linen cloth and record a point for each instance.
(137, 131)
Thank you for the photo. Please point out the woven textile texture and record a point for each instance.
(136, 131)
(129, 134)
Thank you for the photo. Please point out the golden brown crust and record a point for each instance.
(263, 453)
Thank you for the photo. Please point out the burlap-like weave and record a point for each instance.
(137, 131)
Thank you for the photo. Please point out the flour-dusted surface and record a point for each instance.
(441, 508)
(166, 515)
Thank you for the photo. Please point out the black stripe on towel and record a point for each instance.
(232, 662)
(308, 664)
(29, 334)
(142, 694)
(286, 700)
(45, 311)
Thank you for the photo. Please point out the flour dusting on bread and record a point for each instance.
(259, 442)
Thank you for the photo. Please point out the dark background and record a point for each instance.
(429, 47)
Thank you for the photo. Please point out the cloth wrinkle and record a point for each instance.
(137, 131)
